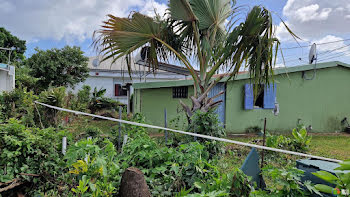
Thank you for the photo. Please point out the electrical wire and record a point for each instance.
(297, 47)
(344, 54)
(323, 53)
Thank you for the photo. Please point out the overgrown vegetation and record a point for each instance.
(29, 157)
(341, 180)
(299, 143)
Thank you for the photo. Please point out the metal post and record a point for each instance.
(264, 139)
(64, 145)
(125, 140)
(87, 156)
(128, 97)
(165, 125)
(120, 128)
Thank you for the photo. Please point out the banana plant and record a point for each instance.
(201, 35)
(341, 180)
(301, 139)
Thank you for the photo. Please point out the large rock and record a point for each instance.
(133, 184)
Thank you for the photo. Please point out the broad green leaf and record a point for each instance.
(326, 176)
(343, 166)
(324, 188)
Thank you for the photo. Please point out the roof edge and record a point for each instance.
(307, 67)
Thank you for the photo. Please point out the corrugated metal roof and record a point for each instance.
(241, 76)
(119, 65)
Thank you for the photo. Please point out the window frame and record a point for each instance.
(121, 92)
(180, 92)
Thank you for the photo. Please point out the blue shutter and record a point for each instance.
(269, 96)
(220, 110)
(248, 97)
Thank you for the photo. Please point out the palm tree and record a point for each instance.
(197, 32)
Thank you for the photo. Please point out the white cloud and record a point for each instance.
(311, 12)
(314, 19)
(65, 19)
(334, 47)
(152, 7)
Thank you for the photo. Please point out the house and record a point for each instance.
(316, 96)
(7, 77)
(114, 77)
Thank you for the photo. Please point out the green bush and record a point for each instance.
(207, 123)
(168, 170)
(285, 182)
(235, 184)
(341, 180)
(98, 102)
(93, 169)
(31, 155)
(19, 104)
(55, 97)
(299, 143)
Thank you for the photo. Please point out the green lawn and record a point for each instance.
(335, 146)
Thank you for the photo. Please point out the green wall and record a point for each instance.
(322, 102)
(152, 102)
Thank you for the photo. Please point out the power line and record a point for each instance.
(316, 44)
(336, 49)
(323, 53)
(344, 54)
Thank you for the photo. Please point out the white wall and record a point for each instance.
(7, 82)
(107, 79)
(3, 80)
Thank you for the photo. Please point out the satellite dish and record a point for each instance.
(312, 54)
(96, 62)
(143, 55)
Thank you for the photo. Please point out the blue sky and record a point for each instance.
(55, 23)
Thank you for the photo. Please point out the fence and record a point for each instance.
(191, 134)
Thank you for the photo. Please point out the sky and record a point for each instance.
(50, 24)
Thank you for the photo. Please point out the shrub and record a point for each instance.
(253, 129)
(299, 143)
(207, 123)
(235, 184)
(168, 170)
(55, 97)
(285, 182)
(30, 155)
(80, 101)
(92, 131)
(93, 169)
(341, 180)
(18, 104)
(99, 102)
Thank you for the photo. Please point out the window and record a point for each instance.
(180, 92)
(265, 98)
(120, 90)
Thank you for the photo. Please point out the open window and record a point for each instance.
(120, 90)
(266, 97)
(180, 92)
(259, 101)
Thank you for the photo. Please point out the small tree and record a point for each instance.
(199, 30)
(58, 67)
(7, 40)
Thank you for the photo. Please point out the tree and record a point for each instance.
(7, 40)
(58, 67)
(195, 29)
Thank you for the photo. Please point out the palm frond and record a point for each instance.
(119, 37)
